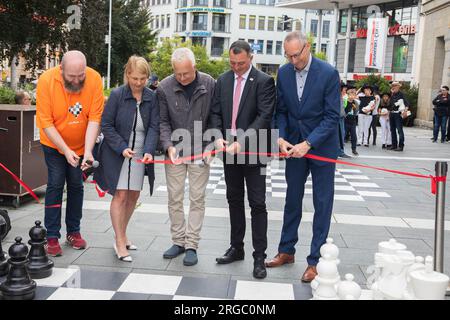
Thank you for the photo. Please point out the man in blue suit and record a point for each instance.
(307, 115)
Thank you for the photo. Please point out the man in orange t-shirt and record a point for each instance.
(69, 106)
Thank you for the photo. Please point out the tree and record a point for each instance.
(90, 37)
(30, 25)
(319, 55)
(162, 66)
(131, 34)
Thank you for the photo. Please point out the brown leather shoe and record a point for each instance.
(280, 259)
(309, 274)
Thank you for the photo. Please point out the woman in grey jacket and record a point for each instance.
(130, 125)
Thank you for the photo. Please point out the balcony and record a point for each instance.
(200, 3)
(181, 3)
(199, 26)
(222, 4)
(181, 28)
(220, 28)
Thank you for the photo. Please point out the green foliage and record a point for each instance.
(6, 95)
(130, 35)
(162, 66)
(90, 38)
(319, 55)
(30, 25)
(373, 79)
(107, 92)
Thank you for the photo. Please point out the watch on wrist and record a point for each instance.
(308, 143)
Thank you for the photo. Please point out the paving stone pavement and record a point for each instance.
(402, 208)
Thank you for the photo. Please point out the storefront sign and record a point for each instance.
(396, 30)
(201, 9)
(375, 43)
(357, 77)
(198, 34)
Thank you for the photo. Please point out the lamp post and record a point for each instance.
(108, 80)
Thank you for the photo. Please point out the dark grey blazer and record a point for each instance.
(116, 126)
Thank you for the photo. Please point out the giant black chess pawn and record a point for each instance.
(18, 284)
(4, 266)
(40, 265)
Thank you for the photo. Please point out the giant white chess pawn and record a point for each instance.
(333, 251)
(327, 278)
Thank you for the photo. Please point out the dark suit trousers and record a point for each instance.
(235, 177)
(297, 171)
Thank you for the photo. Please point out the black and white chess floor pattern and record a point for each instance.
(350, 184)
(75, 283)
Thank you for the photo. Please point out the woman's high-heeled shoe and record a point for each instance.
(131, 247)
(127, 258)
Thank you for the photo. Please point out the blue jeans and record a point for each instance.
(60, 171)
(396, 122)
(440, 122)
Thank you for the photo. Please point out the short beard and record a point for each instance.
(73, 88)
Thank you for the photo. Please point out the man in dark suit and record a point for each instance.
(243, 105)
(307, 114)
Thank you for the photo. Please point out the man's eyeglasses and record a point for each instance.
(296, 55)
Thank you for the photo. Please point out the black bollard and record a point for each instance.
(18, 284)
(4, 266)
(40, 266)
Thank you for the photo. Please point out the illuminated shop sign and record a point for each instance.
(198, 34)
(396, 30)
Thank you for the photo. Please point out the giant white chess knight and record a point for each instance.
(396, 275)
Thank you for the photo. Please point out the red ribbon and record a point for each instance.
(21, 182)
(434, 179)
(100, 192)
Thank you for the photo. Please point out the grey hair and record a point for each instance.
(182, 54)
(296, 35)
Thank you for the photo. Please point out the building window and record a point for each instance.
(400, 54)
(200, 21)
(243, 1)
(260, 46)
(202, 3)
(270, 23)
(219, 23)
(163, 1)
(168, 21)
(181, 22)
(252, 22)
(280, 24)
(157, 22)
(261, 22)
(323, 47)
(262, 2)
(298, 26)
(158, 2)
(242, 21)
(354, 21)
(217, 45)
(269, 47)
(271, 2)
(270, 69)
(278, 50)
(351, 55)
(198, 41)
(163, 19)
(313, 28)
(221, 4)
(182, 3)
(252, 1)
(343, 21)
(326, 29)
(153, 2)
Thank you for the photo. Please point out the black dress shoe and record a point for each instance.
(231, 255)
(259, 269)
